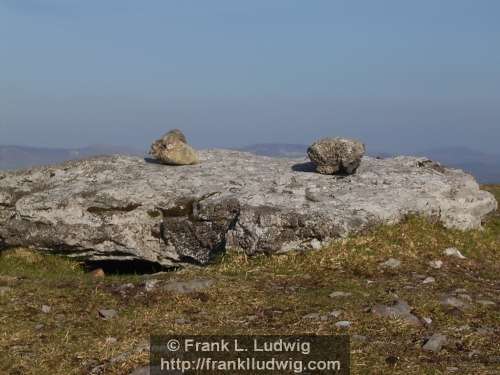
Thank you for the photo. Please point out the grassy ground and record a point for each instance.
(264, 295)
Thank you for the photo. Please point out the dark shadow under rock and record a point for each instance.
(304, 167)
(152, 161)
(124, 267)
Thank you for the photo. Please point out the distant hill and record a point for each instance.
(14, 157)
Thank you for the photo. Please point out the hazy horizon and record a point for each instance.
(404, 76)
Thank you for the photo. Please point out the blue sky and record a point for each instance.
(401, 75)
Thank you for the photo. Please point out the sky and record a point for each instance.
(400, 75)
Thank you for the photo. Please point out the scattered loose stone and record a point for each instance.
(453, 301)
(173, 149)
(315, 244)
(38, 327)
(336, 155)
(107, 314)
(181, 321)
(473, 354)
(427, 321)
(312, 316)
(343, 324)
(399, 310)
(436, 264)
(186, 287)
(97, 273)
(340, 294)
(452, 369)
(428, 280)
(46, 309)
(453, 252)
(435, 343)
(150, 285)
(391, 263)
(335, 313)
(485, 302)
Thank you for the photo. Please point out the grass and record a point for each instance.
(264, 295)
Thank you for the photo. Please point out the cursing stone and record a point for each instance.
(173, 149)
(336, 155)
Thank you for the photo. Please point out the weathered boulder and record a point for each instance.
(125, 208)
(336, 155)
(173, 149)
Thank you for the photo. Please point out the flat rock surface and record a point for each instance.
(122, 207)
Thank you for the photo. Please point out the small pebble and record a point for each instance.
(427, 320)
(435, 343)
(315, 244)
(453, 252)
(46, 309)
(436, 264)
(453, 302)
(428, 280)
(343, 324)
(107, 314)
(150, 285)
(311, 316)
(391, 263)
(335, 313)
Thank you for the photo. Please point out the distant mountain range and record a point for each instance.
(15, 157)
(484, 166)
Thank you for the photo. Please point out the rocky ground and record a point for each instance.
(416, 299)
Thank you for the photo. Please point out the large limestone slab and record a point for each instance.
(123, 207)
